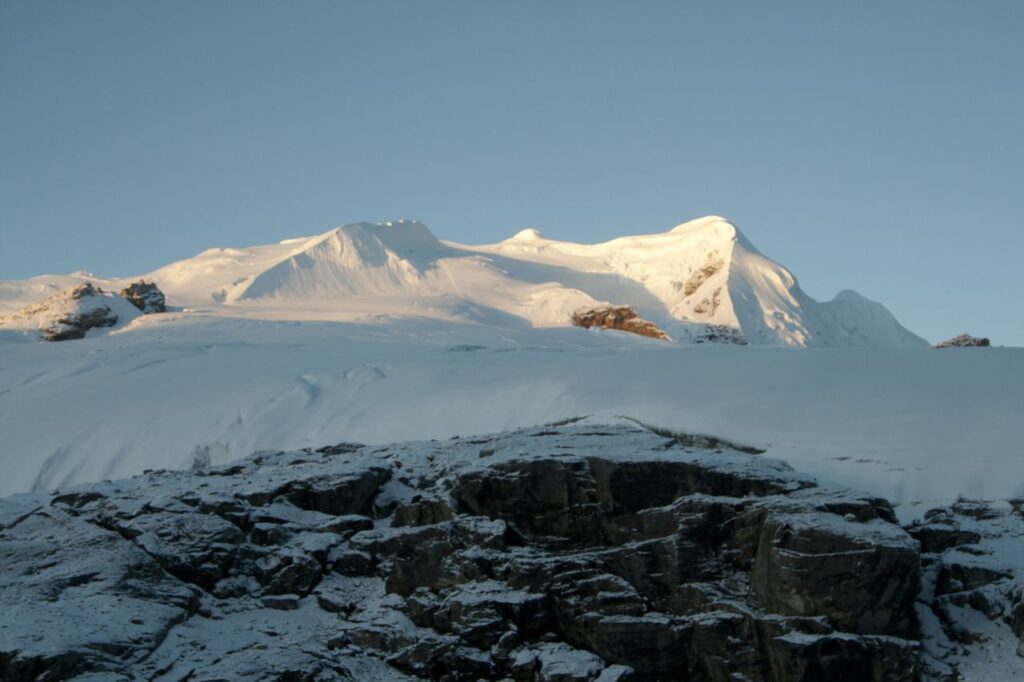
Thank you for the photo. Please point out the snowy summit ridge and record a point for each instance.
(700, 281)
(706, 272)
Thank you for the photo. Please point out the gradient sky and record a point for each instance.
(877, 146)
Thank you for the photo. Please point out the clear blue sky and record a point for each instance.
(877, 146)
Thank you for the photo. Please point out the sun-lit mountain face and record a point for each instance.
(702, 280)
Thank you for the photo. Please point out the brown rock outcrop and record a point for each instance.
(622, 318)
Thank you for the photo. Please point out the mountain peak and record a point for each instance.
(711, 222)
(530, 234)
(714, 228)
(397, 235)
(350, 260)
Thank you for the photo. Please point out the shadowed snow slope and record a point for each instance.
(700, 281)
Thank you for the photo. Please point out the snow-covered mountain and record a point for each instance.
(376, 333)
(706, 272)
(701, 276)
(356, 260)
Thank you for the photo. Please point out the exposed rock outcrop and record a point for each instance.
(620, 317)
(701, 275)
(146, 296)
(718, 333)
(964, 341)
(709, 305)
(70, 314)
(573, 552)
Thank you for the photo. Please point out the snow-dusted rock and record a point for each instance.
(971, 604)
(572, 552)
(79, 598)
(70, 314)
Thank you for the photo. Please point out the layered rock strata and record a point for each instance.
(569, 552)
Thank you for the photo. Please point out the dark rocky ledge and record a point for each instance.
(572, 552)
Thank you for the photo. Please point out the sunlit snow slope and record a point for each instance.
(702, 274)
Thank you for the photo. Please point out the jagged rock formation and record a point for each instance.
(620, 317)
(72, 313)
(964, 341)
(146, 296)
(570, 552)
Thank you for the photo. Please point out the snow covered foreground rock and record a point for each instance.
(576, 551)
